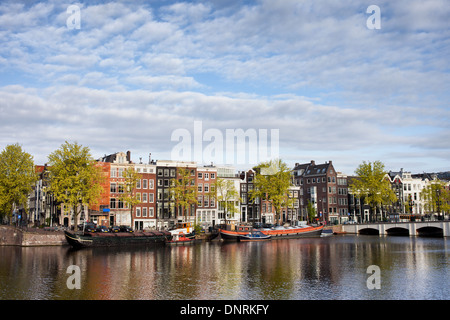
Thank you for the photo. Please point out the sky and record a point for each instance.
(319, 77)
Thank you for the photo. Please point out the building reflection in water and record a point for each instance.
(310, 268)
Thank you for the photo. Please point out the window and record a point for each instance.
(144, 197)
(206, 176)
(213, 175)
(113, 172)
(151, 183)
(112, 203)
(206, 187)
(138, 184)
(144, 212)
(200, 175)
(113, 188)
(200, 187)
(151, 197)
(144, 184)
(138, 212)
(151, 212)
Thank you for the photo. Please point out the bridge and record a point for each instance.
(419, 228)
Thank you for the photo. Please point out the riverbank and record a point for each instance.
(12, 236)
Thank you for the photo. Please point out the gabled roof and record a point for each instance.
(311, 169)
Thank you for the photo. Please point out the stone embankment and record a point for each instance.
(11, 236)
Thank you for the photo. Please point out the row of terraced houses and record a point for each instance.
(320, 185)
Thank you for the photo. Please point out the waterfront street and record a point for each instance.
(328, 268)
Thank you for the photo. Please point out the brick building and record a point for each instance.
(319, 186)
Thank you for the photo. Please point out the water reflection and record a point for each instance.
(315, 268)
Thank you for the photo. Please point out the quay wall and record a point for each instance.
(11, 236)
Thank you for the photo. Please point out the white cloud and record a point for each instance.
(135, 71)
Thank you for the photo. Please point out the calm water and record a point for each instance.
(313, 268)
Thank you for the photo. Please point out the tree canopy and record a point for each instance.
(184, 191)
(371, 185)
(17, 175)
(129, 195)
(272, 183)
(75, 179)
(436, 197)
(226, 194)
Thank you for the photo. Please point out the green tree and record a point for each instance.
(17, 176)
(436, 197)
(311, 211)
(272, 183)
(184, 191)
(75, 179)
(129, 195)
(372, 186)
(226, 195)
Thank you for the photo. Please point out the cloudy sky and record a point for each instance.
(128, 74)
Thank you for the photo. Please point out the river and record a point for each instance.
(328, 268)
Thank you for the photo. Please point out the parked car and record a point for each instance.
(87, 226)
(102, 229)
(114, 229)
(125, 229)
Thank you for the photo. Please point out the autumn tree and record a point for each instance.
(17, 176)
(272, 183)
(75, 179)
(371, 185)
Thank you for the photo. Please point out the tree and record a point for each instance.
(184, 191)
(372, 186)
(436, 197)
(226, 194)
(311, 209)
(129, 196)
(75, 179)
(272, 183)
(17, 176)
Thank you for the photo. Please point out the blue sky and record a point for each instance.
(136, 71)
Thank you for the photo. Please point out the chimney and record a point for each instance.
(330, 162)
(150, 158)
(313, 163)
(129, 156)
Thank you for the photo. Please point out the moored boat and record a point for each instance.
(255, 235)
(275, 233)
(94, 239)
(181, 239)
(326, 232)
(293, 232)
(233, 235)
